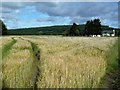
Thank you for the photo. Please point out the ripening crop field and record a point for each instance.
(56, 61)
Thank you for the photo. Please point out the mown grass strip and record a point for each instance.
(112, 65)
(118, 79)
(6, 48)
(18, 73)
(35, 52)
(0, 53)
(36, 55)
(109, 80)
(5, 51)
(112, 58)
(0, 68)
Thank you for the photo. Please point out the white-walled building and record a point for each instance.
(109, 32)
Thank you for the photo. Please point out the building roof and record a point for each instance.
(107, 31)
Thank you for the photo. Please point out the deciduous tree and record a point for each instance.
(93, 27)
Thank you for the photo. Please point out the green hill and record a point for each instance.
(49, 30)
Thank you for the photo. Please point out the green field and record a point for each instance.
(57, 61)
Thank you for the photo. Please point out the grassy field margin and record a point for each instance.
(36, 71)
(111, 77)
(0, 64)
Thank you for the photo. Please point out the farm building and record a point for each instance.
(109, 32)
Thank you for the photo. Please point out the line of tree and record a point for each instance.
(92, 27)
(3, 28)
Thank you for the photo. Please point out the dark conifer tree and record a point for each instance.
(3, 28)
(74, 30)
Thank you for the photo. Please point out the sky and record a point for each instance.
(39, 14)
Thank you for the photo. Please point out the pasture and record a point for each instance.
(57, 61)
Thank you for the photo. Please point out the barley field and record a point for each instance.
(57, 61)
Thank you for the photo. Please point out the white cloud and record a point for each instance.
(58, 11)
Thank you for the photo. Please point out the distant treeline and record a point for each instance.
(51, 30)
(67, 30)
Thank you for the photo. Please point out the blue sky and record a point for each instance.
(38, 14)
